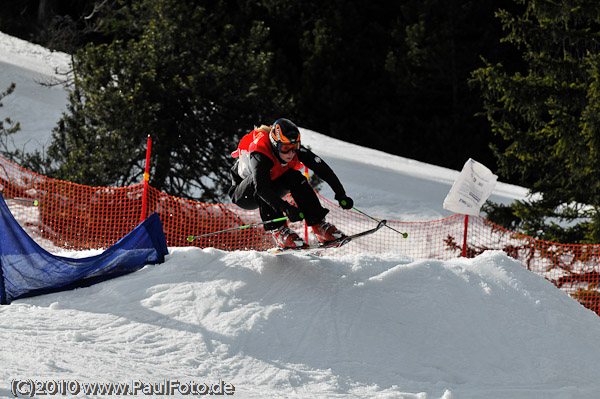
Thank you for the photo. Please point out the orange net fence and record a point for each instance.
(62, 216)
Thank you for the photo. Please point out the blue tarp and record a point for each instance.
(27, 269)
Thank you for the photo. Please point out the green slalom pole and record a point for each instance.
(192, 238)
(404, 235)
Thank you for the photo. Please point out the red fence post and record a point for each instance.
(305, 225)
(146, 179)
(464, 247)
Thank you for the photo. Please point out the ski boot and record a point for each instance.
(326, 232)
(287, 238)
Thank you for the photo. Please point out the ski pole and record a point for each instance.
(404, 235)
(192, 238)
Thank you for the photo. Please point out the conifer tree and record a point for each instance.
(194, 79)
(547, 115)
(7, 128)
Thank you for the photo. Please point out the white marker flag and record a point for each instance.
(471, 189)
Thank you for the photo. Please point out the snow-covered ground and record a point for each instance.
(37, 107)
(259, 325)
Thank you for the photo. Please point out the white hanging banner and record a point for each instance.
(471, 189)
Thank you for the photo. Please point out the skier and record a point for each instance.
(267, 168)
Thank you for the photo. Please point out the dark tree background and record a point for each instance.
(424, 79)
(386, 75)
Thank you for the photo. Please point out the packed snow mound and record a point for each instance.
(293, 325)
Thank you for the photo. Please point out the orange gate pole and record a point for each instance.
(146, 179)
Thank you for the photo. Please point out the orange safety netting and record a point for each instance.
(63, 216)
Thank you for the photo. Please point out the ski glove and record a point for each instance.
(345, 201)
(293, 213)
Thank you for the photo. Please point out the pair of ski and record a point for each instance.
(329, 244)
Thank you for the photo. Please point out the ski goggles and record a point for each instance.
(285, 148)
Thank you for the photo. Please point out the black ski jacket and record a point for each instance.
(260, 167)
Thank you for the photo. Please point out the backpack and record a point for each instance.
(243, 153)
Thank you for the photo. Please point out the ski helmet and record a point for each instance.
(285, 136)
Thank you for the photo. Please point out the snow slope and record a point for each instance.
(379, 326)
(291, 325)
(35, 106)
